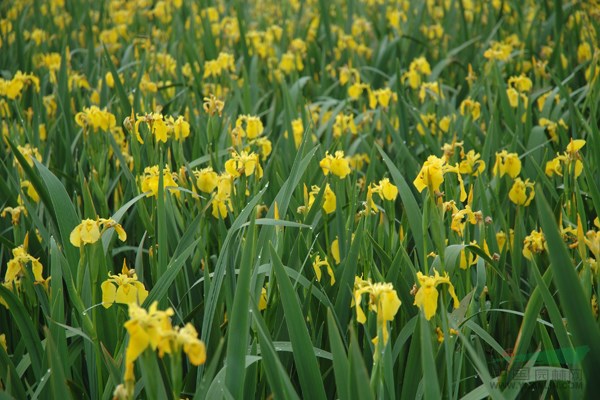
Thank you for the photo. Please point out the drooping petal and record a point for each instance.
(426, 298)
(142, 293)
(138, 341)
(109, 292)
(389, 303)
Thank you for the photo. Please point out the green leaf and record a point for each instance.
(341, 366)
(576, 307)
(58, 380)
(217, 389)
(306, 362)
(159, 290)
(27, 331)
(121, 93)
(359, 376)
(215, 288)
(10, 377)
(63, 211)
(237, 332)
(117, 217)
(276, 374)
(430, 378)
(413, 212)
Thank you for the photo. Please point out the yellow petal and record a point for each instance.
(121, 232)
(317, 269)
(196, 352)
(142, 293)
(109, 292)
(426, 298)
(453, 295)
(138, 341)
(37, 268)
(390, 303)
(262, 302)
(361, 318)
(331, 274)
(335, 250)
(329, 204)
(126, 294)
(75, 237)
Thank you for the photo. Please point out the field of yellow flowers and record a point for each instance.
(368, 199)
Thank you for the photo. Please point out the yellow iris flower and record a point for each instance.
(16, 265)
(535, 243)
(432, 176)
(317, 264)
(206, 179)
(383, 300)
(89, 231)
(149, 181)
(337, 165)
(427, 296)
(507, 163)
(521, 192)
(153, 329)
(243, 163)
(386, 190)
(123, 288)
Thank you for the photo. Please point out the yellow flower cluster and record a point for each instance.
(243, 163)
(470, 107)
(381, 97)
(522, 192)
(569, 159)
(427, 295)
(12, 89)
(317, 264)
(432, 89)
(95, 118)
(329, 199)
(338, 165)
(291, 60)
(518, 87)
(252, 129)
(161, 127)
(153, 329)
(386, 191)
(297, 131)
(460, 217)
(534, 243)
(344, 123)
(417, 69)
(507, 163)
(212, 105)
(15, 213)
(223, 63)
(432, 176)
(472, 164)
(123, 288)
(150, 179)
(383, 300)
(499, 51)
(15, 270)
(208, 180)
(552, 127)
(29, 153)
(89, 231)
